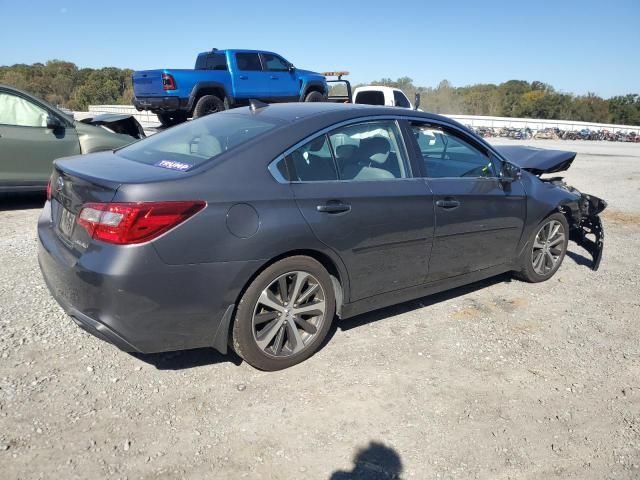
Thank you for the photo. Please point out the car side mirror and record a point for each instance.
(54, 123)
(292, 68)
(416, 103)
(510, 173)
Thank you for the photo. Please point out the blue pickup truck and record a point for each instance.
(224, 79)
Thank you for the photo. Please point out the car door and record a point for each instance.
(479, 220)
(283, 82)
(355, 188)
(27, 146)
(250, 80)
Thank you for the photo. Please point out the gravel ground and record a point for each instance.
(497, 380)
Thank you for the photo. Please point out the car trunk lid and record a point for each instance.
(77, 181)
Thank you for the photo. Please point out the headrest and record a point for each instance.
(375, 149)
(317, 144)
(345, 151)
(209, 146)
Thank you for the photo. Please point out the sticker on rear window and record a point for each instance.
(173, 165)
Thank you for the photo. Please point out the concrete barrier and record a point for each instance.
(539, 124)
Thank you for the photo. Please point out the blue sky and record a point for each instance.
(577, 46)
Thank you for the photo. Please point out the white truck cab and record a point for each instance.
(384, 96)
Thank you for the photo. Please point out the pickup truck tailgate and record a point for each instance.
(148, 83)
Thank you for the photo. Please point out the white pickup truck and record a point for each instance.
(368, 94)
(386, 96)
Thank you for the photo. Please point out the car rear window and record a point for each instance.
(193, 143)
(371, 97)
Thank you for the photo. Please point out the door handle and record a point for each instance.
(448, 203)
(243, 77)
(274, 78)
(331, 207)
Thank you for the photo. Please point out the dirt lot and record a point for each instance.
(497, 380)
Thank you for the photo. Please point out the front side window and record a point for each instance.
(248, 62)
(20, 112)
(401, 100)
(194, 143)
(446, 155)
(274, 63)
(369, 151)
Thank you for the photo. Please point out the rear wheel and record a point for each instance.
(285, 314)
(314, 97)
(545, 250)
(169, 119)
(208, 104)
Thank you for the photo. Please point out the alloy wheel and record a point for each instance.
(548, 247)
(288, 314)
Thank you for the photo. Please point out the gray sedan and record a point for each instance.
(254, 228)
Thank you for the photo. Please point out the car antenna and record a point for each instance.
(256, 105)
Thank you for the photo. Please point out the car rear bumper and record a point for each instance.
(161, 104)
(130, 298)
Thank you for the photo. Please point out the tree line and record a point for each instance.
(63, 83)
(519, 98)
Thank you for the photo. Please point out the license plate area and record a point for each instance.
(66, 223)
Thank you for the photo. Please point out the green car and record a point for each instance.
(34, 133)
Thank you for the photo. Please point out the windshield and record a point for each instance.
(196, 142)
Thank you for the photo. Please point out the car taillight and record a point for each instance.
(49, 189)
(168, 82)
(129, 223)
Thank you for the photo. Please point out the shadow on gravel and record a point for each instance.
(579, 259)
(375, 462)
(405, 307)
(185, 359)
(21, 201)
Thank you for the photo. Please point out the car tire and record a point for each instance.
(542, 256)
(170, 119)
(208, 104)
(314, 97)
(271, 332)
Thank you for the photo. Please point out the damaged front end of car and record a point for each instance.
(585, 226)
(583, 214)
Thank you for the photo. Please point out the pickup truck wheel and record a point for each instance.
(314, 97)
(208, 104)
(171, 119)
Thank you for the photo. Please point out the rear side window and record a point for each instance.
(371, 151)
(370, 98)
(194, 143)
(212, 61)
(248, 62)
(312, 162)
(400, 99)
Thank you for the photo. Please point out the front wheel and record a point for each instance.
(285, 314)
(545, 249)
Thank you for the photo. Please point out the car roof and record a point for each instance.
(377, 88)
(296, 111)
